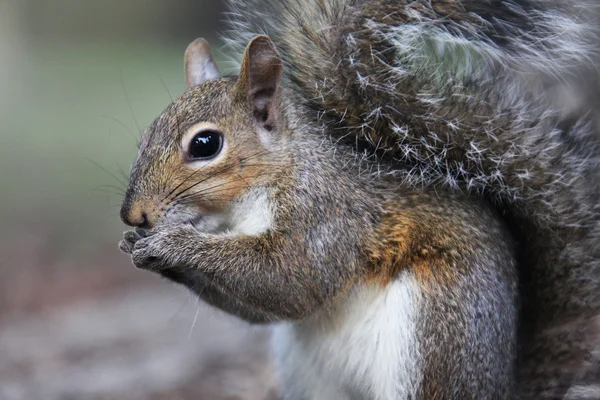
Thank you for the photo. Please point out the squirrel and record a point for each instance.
(378, 291)
(498, 99)
(492, 99)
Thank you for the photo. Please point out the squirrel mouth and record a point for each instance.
(195, 221)
(181, 217)
(202, 222)
(209, 223)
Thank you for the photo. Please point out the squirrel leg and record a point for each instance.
(267, 273)
(197, 282)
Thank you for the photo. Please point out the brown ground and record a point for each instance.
(100, 330)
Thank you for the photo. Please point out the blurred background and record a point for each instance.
(79, 80)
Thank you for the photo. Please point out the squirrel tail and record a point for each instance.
(371, 65)
(464, 92)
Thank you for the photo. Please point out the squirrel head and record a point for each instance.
(213, 143)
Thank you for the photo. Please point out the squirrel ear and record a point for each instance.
(260, 79)
(199, 63)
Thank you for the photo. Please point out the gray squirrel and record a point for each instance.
(337, 176)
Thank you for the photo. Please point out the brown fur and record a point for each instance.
(334, 229)
(248, 163)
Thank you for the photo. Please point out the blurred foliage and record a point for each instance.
(75, 92)
(79, 81)
(144, 20)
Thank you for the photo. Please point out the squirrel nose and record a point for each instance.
(134, 215)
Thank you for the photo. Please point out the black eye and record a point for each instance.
(205, 144)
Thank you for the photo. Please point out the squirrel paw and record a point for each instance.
(130, 238)
(158, 249)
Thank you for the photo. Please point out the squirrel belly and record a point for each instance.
(366, 348)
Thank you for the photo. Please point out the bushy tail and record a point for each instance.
(470, 93)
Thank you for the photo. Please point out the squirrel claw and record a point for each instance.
(148, 251)
(130, 238)
(142, 233)
(159, 249)
(125, 246)
(145, 256)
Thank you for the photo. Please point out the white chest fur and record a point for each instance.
(365, 349)
(250, 215)
(253, 214)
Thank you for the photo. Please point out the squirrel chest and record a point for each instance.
(366, 348)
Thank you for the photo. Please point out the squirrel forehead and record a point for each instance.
(210, 101)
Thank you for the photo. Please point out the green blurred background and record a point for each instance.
(79, 80)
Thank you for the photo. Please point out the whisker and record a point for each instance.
(245, 181)
(206, 189)
(123, 173)
(193, 199)
(185, 180)
(101, 190)
(201, 192)
(180, 184)
(223, 169)
(120, 189)
(180, 308)
(209, 190)
(194, 321)
(165, 86)
(199, 195)
(129, 103)
(191, 186)
(216, 173)
(107, 171)
(225, 183)
(262, 165)
(135, 139)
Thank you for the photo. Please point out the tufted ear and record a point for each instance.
(260, 80)
(199, 63)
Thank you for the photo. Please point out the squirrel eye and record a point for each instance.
(205, 144)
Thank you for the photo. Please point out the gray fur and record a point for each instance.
(497, 98)
(328, 210)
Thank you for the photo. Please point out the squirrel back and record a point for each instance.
(497, 98)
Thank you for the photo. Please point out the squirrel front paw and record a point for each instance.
(130, 238)
(157, 249)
